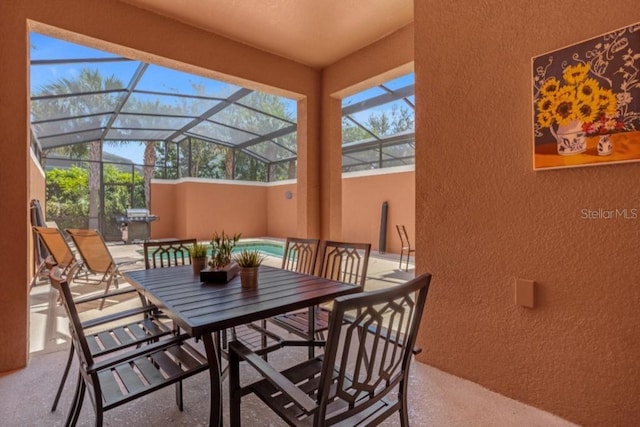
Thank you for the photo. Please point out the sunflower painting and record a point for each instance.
(586, 102)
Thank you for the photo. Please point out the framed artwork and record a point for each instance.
(586, 102)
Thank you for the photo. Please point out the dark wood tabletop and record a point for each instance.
(200, 308)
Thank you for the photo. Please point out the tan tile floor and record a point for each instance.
(436, 398)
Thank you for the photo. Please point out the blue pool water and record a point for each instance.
(266, 248)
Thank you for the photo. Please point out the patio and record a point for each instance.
(443, 399)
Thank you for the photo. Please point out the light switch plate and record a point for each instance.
(525, 293)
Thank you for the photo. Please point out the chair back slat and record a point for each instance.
(300, 255)
(92, 249)
(56, 245)
(369, 358)
(345, 262)
(167, 253)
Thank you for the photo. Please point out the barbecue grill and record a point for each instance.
(136, 224)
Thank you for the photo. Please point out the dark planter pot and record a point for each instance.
(198, 264)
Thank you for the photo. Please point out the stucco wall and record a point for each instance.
(199, 207)
(36, 191)
(282, 218)
(192, 207)
(132, 32)
(483, 217)
(362, 198)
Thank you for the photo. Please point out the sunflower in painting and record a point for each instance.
(578, 97)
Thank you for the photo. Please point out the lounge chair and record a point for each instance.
(97, 259)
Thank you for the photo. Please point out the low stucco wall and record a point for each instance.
(362, 199)
(196, 207)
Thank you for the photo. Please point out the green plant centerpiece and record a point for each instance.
(221, 247)
(221, 266)
(249, 261)
(198, 250)
(198, 254)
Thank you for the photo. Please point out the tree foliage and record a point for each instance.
(382, 124)
(67, 192)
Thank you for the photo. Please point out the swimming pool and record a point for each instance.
(266, 247)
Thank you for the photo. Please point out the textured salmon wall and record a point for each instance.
(362, 205)
(163, 204)
(200, 207)
(282, 218)
(483, 217)
(36, 191)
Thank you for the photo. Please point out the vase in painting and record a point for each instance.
(604, 145)
(571, 138)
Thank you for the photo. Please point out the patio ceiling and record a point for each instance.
(324, 31)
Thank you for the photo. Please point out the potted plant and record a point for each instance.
(221, 268)
(249, 262)
(198, 253)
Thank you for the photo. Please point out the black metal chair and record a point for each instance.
(300, 255)
(167, 253)
(338, 387)
(406, 245)
(345, 262)
(129, 373)
(128, 328)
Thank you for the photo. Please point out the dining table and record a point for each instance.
(202, 309)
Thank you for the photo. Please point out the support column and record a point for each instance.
(331, 168)
(308, 170)
(14, 188)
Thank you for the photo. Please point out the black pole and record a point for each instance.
(382, 246)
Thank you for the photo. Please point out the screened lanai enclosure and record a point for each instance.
(103, 126)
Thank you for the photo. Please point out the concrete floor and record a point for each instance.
(435, 399)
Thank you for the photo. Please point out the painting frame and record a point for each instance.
(586, 102)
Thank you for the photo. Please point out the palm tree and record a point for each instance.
(93, 83)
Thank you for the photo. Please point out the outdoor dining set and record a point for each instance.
(359, 343)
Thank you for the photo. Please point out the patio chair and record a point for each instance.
(341, 261)
(113, 336)
(97, 259)
(127, 374)
(406, 245)
(167, 253)
(300, 255)
(337, 387)
(57, 247)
